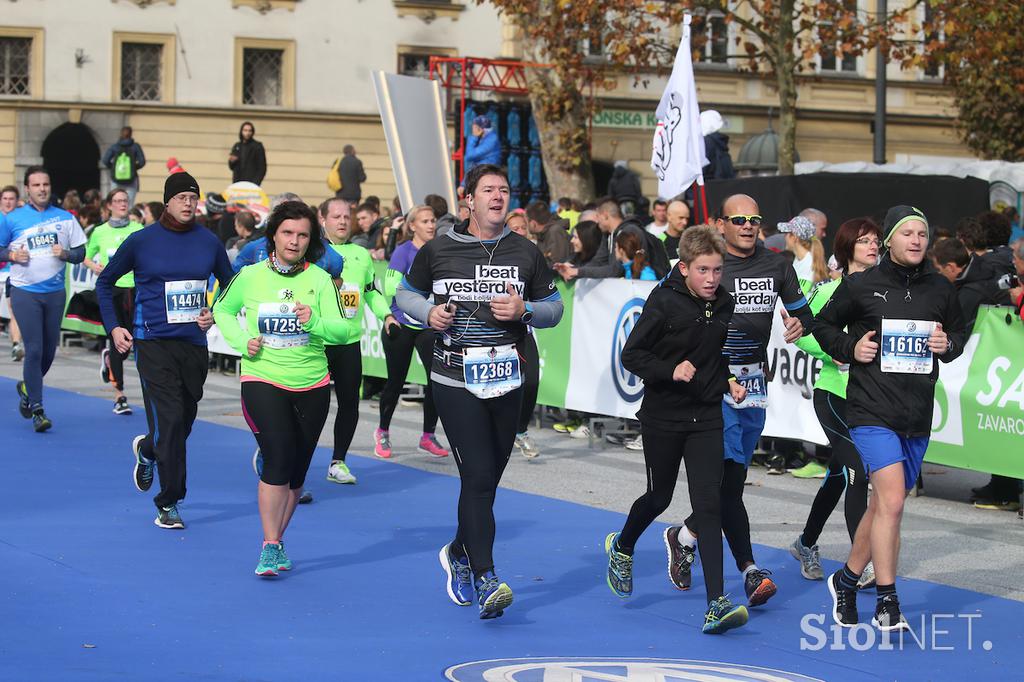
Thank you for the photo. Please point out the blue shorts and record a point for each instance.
(880, 447)
(742, 429)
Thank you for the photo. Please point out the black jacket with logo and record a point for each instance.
(899, 402)
(674, 326)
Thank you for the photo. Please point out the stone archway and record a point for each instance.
(72, 156)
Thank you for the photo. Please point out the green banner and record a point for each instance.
(979, 400)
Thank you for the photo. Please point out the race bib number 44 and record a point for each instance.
(184, 299)
(280, 327)
(904, 346)
(750, 377)
(491, 372)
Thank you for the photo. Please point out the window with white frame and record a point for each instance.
(828, 61)
(15, 65)
(715, 30)
(931, 70)
(262, 76)
(141, 71)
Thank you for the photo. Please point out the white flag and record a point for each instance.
(678, 154)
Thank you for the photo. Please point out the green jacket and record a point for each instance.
(357, 288)
(103, 244)
(832, 378)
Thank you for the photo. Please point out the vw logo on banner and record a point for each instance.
(628, 385)
(615, 670)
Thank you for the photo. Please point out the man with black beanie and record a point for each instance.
(172, 260)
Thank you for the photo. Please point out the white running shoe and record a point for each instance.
(339, 473)
(635, 444)
(526, 445)
(581, 433)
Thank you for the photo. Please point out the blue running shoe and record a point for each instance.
(267, 567)
(723, 616)
(283, 562)
(40, 422)
(492, 596)
(460, 579)
(23, 405)
(257, 462)
(620, 567)
(143, 471)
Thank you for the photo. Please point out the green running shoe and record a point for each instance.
(809, 470)
(620, 567)
(283, 562)
(267, 567)
(722, 616)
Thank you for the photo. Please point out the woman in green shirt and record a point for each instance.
(292, 309)
(856, 248)
(103, 244)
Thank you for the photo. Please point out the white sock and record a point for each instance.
(686, 538)
(748, 569)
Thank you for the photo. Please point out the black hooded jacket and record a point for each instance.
(898, 402)
(251, 164)
(978, 285)
(675, 326)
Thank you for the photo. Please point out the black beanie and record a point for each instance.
(896, 216)
(176, 183)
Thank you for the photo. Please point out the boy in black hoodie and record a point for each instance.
(676, 348)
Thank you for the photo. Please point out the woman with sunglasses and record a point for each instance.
(857, 245)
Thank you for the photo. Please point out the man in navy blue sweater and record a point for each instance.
(172, 259)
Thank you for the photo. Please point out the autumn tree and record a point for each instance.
(979, 48)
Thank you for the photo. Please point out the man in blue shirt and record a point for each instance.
(39, 240)
(172, 260)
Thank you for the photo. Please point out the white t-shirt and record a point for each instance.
(656, 229)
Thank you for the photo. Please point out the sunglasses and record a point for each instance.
(741, 220)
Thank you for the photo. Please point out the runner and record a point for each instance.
(172, 261)
(103, 244)
(856, 249)
(9, 197)
(39, 240)
(756, 278)
(676, 348)
(478, 275)
(889, 323)
(292, 307)
(399, 341)
(345, 360)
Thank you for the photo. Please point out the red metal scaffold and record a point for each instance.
(467, 74)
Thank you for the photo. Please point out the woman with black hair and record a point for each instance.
(247, 160)
(585, 240)
(292, 309)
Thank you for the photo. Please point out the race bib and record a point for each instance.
(41, 243)
(280, 327)
(491, 372)
(750, 377)
(351, 298)
(904, 346)
(184, 300)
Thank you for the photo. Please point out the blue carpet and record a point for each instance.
(95, 591)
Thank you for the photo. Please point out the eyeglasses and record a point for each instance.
(741, 220)
(868, 241)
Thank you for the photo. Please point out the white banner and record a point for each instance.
(604, 313)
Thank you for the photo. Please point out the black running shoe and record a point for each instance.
(144, 468)
(680, 558)
(306, 497)
(23, 406)
(777, 465)
(121, 406)
(40, 422)
(844, 602)
(168, 517)
(887, 616)
(758, 586)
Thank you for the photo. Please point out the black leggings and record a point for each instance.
(531, 381)
(702, 451)
(398, 346)
(287, 426)
(124, 308)
(481, 433)
(845, 471)
(735, 522)
(346, 365)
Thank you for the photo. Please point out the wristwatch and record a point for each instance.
(527, 317)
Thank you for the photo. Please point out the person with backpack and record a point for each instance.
(124, 158)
